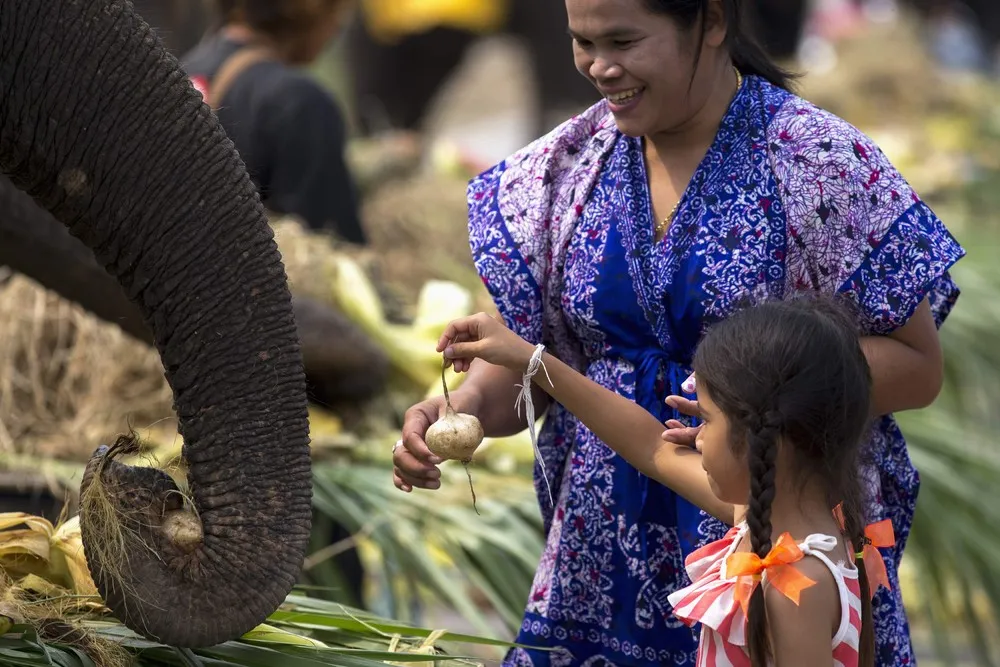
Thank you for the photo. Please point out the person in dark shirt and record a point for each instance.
(288, 130)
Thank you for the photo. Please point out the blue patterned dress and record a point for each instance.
(787, 198)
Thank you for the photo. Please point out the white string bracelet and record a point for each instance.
(525, 396)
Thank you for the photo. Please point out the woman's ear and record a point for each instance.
(716, 24)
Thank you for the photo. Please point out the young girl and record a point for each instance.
(783, 390)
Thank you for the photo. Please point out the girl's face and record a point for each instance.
(728, 474)
(641, 62)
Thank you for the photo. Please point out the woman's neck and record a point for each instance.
(692, 138)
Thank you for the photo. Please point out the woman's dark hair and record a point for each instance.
(794, 370)
(748, 55)
(277, 18)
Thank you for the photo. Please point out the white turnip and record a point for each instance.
(455, 436)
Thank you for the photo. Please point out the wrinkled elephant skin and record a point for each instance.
(178, 23)
(99, 125)
(343, 365)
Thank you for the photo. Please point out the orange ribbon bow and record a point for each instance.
(778, 565)
(877, 535)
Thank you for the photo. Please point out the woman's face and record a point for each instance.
(640, 61)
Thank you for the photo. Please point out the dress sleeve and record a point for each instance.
(854, 224)
(502, 260)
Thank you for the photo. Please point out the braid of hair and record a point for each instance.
(855, 533)
(762, 441)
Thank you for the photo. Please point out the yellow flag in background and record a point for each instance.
(390, 20)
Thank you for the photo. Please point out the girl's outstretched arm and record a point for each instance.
(622, 424)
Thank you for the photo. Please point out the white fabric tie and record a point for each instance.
(525, 396)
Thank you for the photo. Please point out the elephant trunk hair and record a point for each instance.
(100, 126)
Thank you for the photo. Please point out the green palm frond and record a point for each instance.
(954, 548)
(433, 546)
(304, 632)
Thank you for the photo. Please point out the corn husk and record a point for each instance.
(269, 634)
(30, 546)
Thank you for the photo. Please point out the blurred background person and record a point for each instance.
(400, 53)
(289, 131)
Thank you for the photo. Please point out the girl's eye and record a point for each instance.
(582, 43)
(622, 43)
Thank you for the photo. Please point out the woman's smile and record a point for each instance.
(622, 101)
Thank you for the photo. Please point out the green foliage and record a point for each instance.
(432, 546)
(341, 636)
(955, 545)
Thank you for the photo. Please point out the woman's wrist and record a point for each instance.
(523, 351)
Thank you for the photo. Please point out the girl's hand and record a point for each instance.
(481, 336)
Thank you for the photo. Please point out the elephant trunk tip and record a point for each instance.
(122, 508)
(183, 528)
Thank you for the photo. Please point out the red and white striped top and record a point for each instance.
(711, 600)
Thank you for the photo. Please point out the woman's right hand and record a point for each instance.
(413, 464)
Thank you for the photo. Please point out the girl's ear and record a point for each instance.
(739, 443)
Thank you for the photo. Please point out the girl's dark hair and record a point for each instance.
(748, 55)
(794, 370)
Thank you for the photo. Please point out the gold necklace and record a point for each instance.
(663, 224)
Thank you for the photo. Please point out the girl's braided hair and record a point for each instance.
(792, 374)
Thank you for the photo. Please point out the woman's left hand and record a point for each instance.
(481, 336)
(677, 432)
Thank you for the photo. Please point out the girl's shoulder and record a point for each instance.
(829, 606)
(823, 589)
(821, 595)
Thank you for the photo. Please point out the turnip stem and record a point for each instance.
(444, 383)
(471, 488)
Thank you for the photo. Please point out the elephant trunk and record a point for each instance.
(37, 245)
(101, 127)
(343, 365)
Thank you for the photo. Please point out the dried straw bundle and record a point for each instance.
(69, 381)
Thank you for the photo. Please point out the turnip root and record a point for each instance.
(455, 436)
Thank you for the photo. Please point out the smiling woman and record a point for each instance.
(700, 184)
(623, 55)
